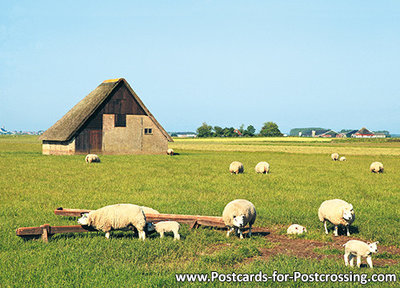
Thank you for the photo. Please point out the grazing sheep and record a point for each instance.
(335, 156)
(342, 158)
(236, 167)
(376, 167)
(167, 226)
(148, 210)
(237, 214)
(338, 212)
(296, 229)
(356, 248)
(170, 152)
(92, 158)
(116, 217)
(262, 167)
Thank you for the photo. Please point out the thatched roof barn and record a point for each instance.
(110, 120)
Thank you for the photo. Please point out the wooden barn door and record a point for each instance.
(95, 139)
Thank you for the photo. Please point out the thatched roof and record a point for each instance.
(364, 131)
(65, 128)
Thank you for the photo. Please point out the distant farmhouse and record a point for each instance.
(326, 133)
(110, 120)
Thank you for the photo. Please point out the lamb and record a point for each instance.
(237, 214)
(262, 167)
(356, 248)
(92, 158)
(338, 212)
(335, 156)
(376, 167)
(170, 152)
(168, 226)
(296, 229)
(236, 167)
(342, 158)
(116, 217)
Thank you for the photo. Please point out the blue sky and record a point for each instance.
(332, 64)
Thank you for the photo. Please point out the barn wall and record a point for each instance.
(131, 139)
(58, 148)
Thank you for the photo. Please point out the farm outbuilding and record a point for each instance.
(110, 120)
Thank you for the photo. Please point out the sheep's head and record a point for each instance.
(150, 227)
(373, 248)
(84, 220)
(348, 213)
(238, 221)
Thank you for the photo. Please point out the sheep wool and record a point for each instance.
(237, 214)
(92, 158)
(338, 212)
(262, 167)
(236, 167)
(168, 226)
(342, 158)
(296, 229)
(170, 152)
(356, 248)
(376, 167)
(335, 156)
(117, 217)
(148, 210)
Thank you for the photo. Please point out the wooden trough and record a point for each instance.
(195, 221)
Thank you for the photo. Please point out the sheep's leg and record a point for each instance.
(177, 236)
(358, 261)
(108, 235)
(336, 231)
(229, 231)
(142, 235)
(351, 257)
(369, 261)
(348, 230)
(249, 230)
(326, 228)
(162, 234)
(240, 233)
(346, 259)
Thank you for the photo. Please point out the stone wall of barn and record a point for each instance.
(58, 147)
(135, 138)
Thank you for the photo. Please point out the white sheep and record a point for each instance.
(170, 152)
(236, 167)
(237, 214)
(356, 248)
(296, 229)
(376, 167)
(338, 212)
(167, 226)
(92, 158)
(335, 156)
(342, 158)
(262, 167)
(116, 217)
(148, 210)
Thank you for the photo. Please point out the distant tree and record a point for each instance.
(218, 131)
(241, 129)
(174, 135)
(250, 131)
(204, 130)
(229, 132)
(270, 129)
(346, 130)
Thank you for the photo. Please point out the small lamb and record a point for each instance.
(262, 167)
(167, 226)
(237, 214)
(342, 158)
(338, 212)
(92, 158)
(236, 167)
(170, 152)
(296, 229)
(376, 167)
(335, 156)
(356, 248)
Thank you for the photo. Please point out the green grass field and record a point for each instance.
(197, 181)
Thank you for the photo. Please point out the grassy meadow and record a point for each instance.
(197, 181)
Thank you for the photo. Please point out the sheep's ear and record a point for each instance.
(377, 242)
(234, 216)
(351, 207)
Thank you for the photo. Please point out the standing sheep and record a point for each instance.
(236, 167)
(237, 214)
(168, 226)
(338, 212)
(376, 167)
(262, 167)
(92, 158)
(342, 158)
(116, 217)
(148, 210)
(296, 229)
(170, 152)
(335, 156)
(356, 248)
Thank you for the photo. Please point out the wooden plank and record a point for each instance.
(50, 230)
(70, 212)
